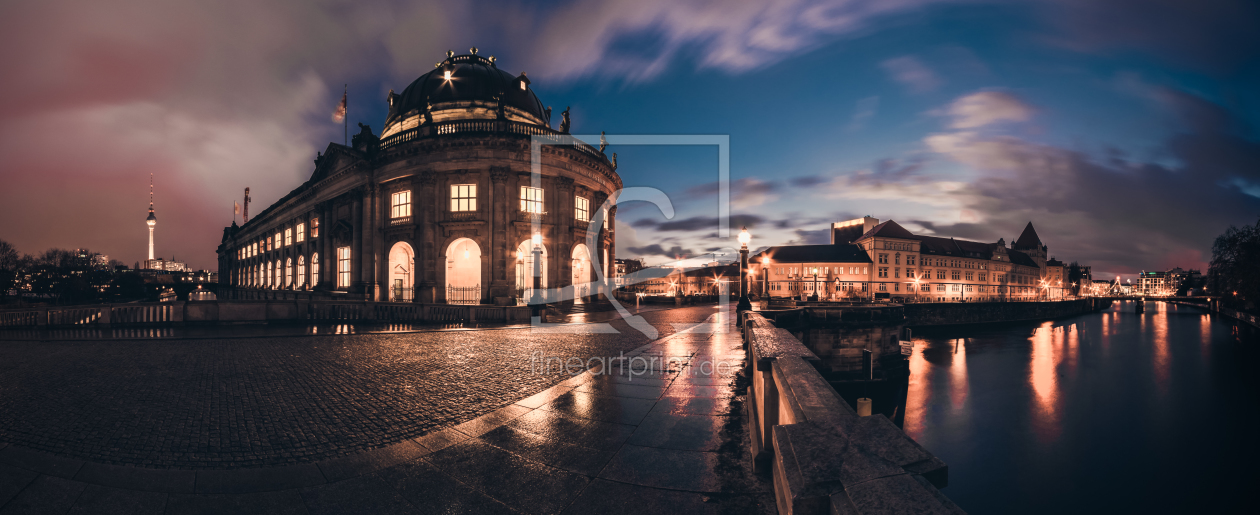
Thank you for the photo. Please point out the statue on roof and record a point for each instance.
(564, 120)
(603, 142)
(614, 160)
(547, 111)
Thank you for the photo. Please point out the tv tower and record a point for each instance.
(152, 220)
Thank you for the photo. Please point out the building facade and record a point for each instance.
(873, 260)
(443, 207)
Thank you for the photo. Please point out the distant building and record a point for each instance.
(869, 259)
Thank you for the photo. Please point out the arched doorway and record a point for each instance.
(525, 270)
(463, 272)
(581, 277)
(401, 260)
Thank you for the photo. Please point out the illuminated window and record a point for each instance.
(269, 272)
(278, 240)
(463, 197)
(522, 85)
(314, 227)
(314, 269)
(400, 204)
(288, 237)
(940, 287)
(288, 272)
(531, 200)
(343, 267)
(605, 219)
(301, 233)
(582, 208)
(301, 271)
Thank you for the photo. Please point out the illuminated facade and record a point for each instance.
(441, 207)
(869, 259)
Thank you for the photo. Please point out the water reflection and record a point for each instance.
(1055, 417)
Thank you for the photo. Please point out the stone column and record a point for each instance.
(563, 216)
(502, 263)
(326, 251)
(427, 256)
(356, 245)
(380, 260)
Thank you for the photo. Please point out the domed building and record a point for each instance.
(442, 207)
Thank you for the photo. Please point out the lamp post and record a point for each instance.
(765, 279)
(815, 271)
(916, 289)
(535, 298)
(744, 304)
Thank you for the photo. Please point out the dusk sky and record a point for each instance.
(1124, 130)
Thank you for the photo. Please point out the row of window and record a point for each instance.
(290, 236)
(274, 275)
(836, 270)
(464, 199)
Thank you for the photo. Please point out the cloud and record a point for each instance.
(675, 252)
(911, 73)
(745, 193)
(863, 111)
(1118, 215)
(808, 181)
(1217, 36)
(638, 39)
(985, 108)
(700, 223)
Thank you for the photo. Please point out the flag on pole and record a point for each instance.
(340, 113)
(236, 207)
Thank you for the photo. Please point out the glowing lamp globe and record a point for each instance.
(537, 239)
(744, 237)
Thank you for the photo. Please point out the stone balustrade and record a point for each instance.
(256, 311)
(824, 458)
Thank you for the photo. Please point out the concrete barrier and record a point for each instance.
(255, 312)
(823, 457)
(950, 313)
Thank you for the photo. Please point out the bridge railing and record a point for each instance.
(255, 311)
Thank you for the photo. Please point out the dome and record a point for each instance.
(474, 82)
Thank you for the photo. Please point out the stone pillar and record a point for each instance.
(327, 254)
(380, 260)
(502, 262)
(564, 233)
(427, 258)
(356, 245)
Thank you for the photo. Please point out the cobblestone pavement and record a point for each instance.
(262, 402)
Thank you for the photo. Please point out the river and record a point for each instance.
(1107, 412)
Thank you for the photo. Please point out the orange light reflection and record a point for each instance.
(1045, 382)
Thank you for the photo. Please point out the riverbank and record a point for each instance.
(955, 313)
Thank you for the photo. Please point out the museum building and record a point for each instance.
(442, 207)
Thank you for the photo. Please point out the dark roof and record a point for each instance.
(935, 245)
(1054, 262)
(889, 229)
(840, 253)
(1028, 239)
(472, 78)
(1020, 258)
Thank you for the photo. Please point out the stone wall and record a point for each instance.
(952, 313)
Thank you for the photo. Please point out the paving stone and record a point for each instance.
(664, 468)
(102, 500)
(523, 485)
(634, 391)
(683, 432)
(539, 399)
(557, 453)
(496, 418)
(227, 403)
(439, 440)
(366, 494)
(587, 433)
(41, 462)
(239, 481)
(354, 465)
(604, 497)
(13, 480)
(264, 503)
(136, 478)
(431, 491)
(695, 406)
(690, 390)
(46, 494)
(598, 407)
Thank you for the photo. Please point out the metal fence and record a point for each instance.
(463, 295)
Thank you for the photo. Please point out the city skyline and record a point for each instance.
(1128, 150)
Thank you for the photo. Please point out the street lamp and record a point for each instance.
(536, 298)
(765, 278)
(916, 289)
(744, 304)
(815, 271)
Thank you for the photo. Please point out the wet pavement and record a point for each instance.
(660, 431)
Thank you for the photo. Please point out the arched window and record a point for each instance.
(314, 269)
(270, 273)
(301, 271)
(288, 273)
